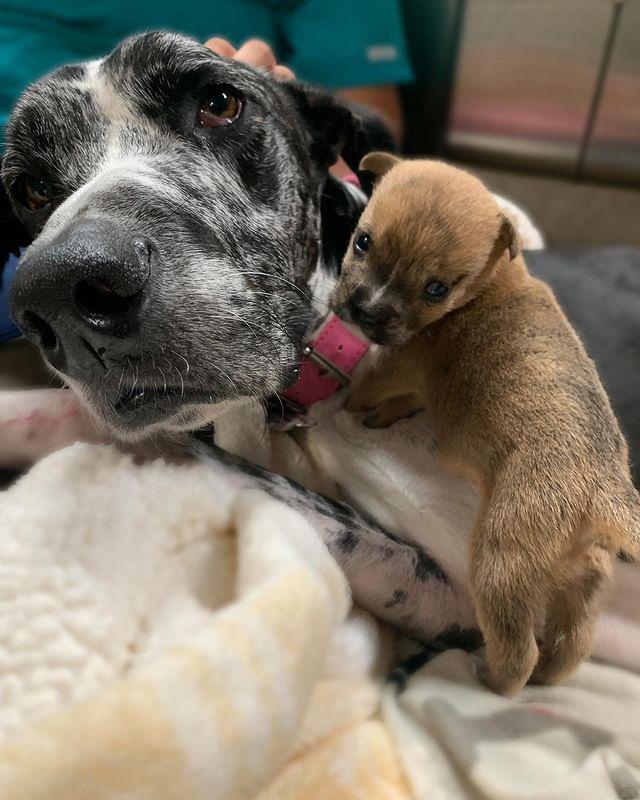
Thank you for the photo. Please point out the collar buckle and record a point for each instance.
(328, 359)
(325, 364)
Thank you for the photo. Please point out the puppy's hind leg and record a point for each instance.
(507, 592)
(571, 618)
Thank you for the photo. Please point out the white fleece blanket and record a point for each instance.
(457, 741)
(164, 634)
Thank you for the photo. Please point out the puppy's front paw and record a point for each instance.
(393, 410)
(377, 419)
(356, 404)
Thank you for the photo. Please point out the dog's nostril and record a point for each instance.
(95, 298)
(40, 330)
(100, 286)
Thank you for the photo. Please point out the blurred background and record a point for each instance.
(540, 97)
(543, 98)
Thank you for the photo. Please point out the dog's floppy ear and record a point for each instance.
(337, 128)
(12, 235)
(341, 207)
(378, 163)
(508, 237)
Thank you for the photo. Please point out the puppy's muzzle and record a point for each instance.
(82, 294)
(367, 315)
(374, 319)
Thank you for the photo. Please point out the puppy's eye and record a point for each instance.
(221, 107)
(33, 193)
(436, 290)
(362, 243)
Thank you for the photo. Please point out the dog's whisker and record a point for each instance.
(164, 378)
(278, 278)
(135, 379)
(257, 332)
(175, 367)
(228, 377)
(272, 314)
(122, 373)
(187, 365)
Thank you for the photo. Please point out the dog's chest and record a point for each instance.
(392, 475)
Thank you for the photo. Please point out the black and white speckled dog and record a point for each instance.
(175, 201)
(181, 209)
(162, 173)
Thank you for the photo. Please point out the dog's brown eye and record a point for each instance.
(436, 290)
(33, 193)
(222, 107)
(362, 243)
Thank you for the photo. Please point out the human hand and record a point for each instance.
(254, 52)
(258, 54)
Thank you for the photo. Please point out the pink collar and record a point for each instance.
(329, 358)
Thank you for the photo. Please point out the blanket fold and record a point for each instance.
(167, 634)
(212, 715)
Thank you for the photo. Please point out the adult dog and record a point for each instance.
(181, 207)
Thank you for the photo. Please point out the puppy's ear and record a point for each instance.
(508, 238)
(12, 235)
(379, 163)
(337, 128)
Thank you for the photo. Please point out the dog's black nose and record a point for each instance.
(88, 282)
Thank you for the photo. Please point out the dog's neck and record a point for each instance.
(331, 349)
(341, 204)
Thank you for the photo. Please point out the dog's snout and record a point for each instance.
(89, 281)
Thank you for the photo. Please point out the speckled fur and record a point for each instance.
(232, 215)
(248, 229)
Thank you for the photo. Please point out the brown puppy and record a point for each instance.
(433, 272)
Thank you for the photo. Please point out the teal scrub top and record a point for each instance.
(335, 43)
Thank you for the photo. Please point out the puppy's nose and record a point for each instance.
(366, 315)
(89, 283)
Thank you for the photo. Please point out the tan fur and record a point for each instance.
(517, 406)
